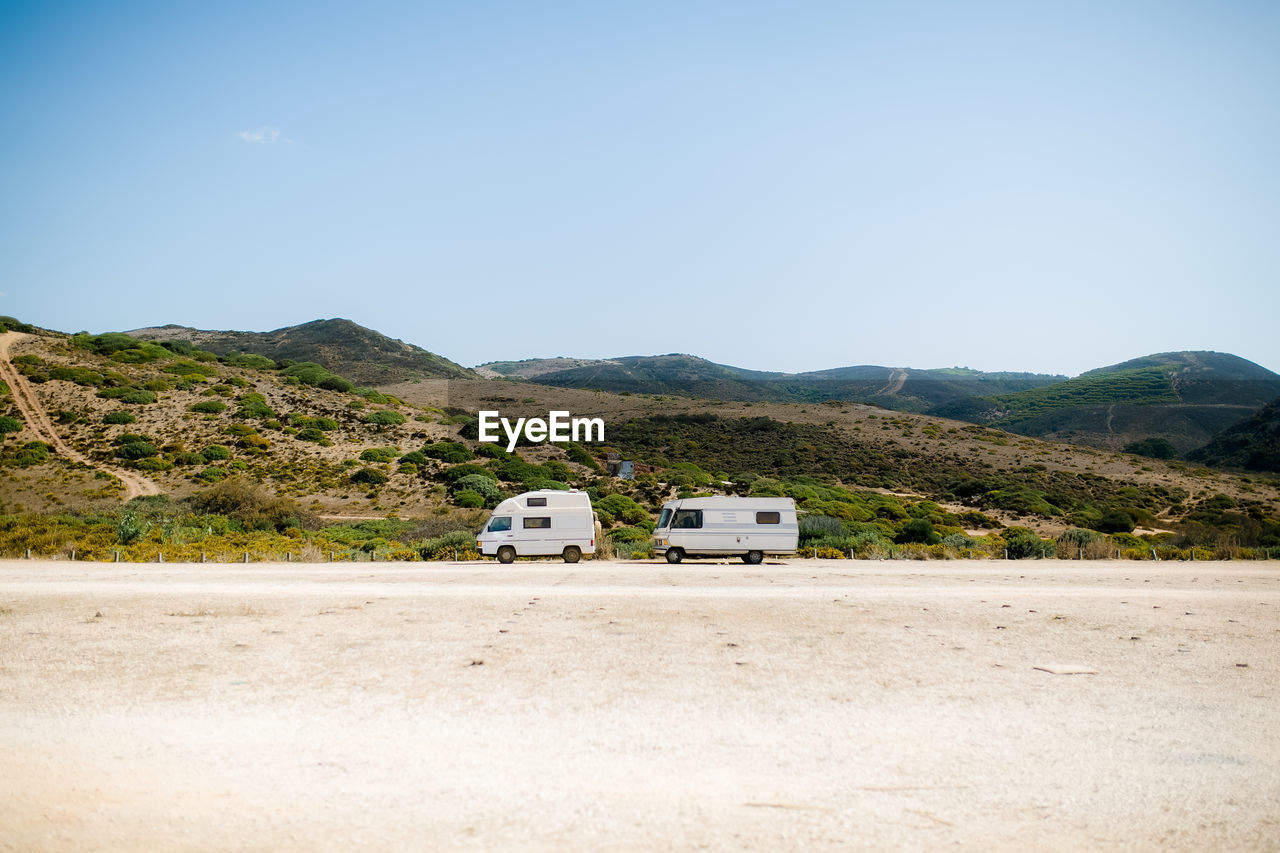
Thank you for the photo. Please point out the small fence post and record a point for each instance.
(246, 556)
(159, 556)
(73, 555)
(330, 556)
(28, 553)
(117, 557)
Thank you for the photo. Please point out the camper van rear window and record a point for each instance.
(536, 502)
(768, 518)
(540, 521)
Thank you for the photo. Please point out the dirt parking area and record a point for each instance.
(616, 706)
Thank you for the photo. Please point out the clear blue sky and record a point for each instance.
(776, 185)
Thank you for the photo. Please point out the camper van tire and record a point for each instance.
(675, 555)
(753, 558)
(572, 554)
(506, 554)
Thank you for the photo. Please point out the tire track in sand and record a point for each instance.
(135, 486)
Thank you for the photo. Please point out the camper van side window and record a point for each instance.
(536, 502)
(539, 521)
(497, 523)
(768, 518)
(687, 518)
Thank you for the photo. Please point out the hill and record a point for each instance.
(348, 349)
(1182, 398)
(904, 389)
(1253, 443)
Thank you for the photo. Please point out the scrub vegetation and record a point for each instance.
(271, 458)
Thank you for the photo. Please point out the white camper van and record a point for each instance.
(540, 524)
(724, 526)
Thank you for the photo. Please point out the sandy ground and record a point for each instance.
(619, 706)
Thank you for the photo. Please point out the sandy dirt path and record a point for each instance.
(620, 706)
(38, 421)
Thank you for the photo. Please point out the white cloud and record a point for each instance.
(263, 136)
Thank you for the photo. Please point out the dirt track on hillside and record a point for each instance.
(41, 426)
(618, 706)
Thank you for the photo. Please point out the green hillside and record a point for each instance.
(903, 389)
(349, 349)
(1180, 398)
(1253, 443)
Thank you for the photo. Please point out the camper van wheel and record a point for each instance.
(572, 554)
(753, 557)
(506, 554)
(675, 555)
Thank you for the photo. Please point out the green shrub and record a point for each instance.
(310, 373)
(78, 375)
(139, 397)
(1022, 543)
(457, 472)
(444, 547)
(623, 508)
(766, 487)
(255, 411)
(190, 368)
(538, 483)
(372, 395)
(577, 454)
(917, 530)
(379, 454)
(816, 527)
(492, 451)
(385, 417)
(1115, 521)
(31, 453)
(12, 324)
(251, 505)
(369, 476)
(208, 407)
(8, 424)
(255, 362)
(448, 451)
(119, 416)
(485, 486)
(129, 528)
(188, 458)
(468, 499)
(137, 450)
(141, 354)
(310, 434)
(415, 457)
(154, 464)
(212, 474)
(215, 452)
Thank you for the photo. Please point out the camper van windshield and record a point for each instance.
(665, 518)
(499, 523)
(688, 518)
